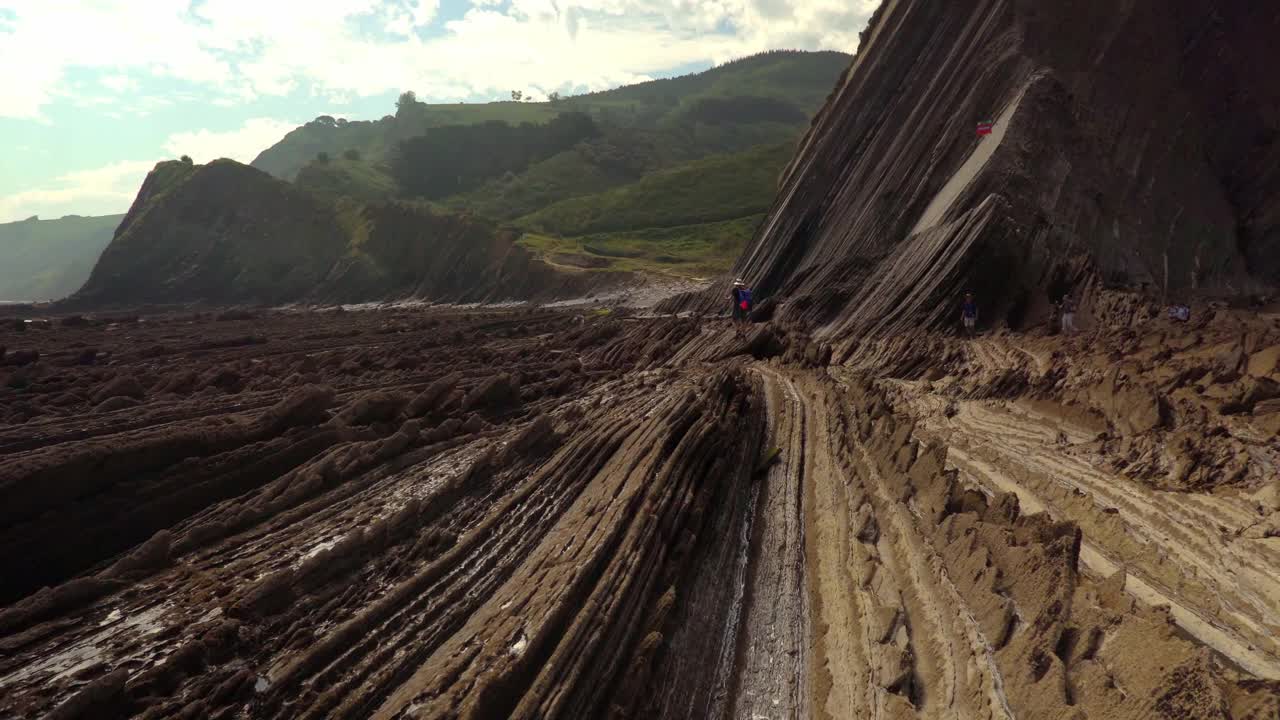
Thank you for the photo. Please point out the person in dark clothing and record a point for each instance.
(741, 297)
(969, 314)
(1068, 314)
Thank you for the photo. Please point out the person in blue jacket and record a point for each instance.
(741, 297)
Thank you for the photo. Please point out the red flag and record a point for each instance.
(985, 127)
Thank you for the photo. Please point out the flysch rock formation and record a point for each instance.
(1136, 143)
(439, 513)
(527, 512)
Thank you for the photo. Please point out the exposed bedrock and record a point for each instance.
(1135, 142)
(444, 514)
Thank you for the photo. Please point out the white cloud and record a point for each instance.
(424, 11)
(100, 191)
(242, 144)
(417, 14)
(50, 36)
(241, 49)
(119, 83)
(111, 189)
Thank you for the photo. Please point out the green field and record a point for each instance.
(688, 251)
(722, 187)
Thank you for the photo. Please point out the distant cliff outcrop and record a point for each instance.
(229, 233)
(218, 232)
(1134, 143)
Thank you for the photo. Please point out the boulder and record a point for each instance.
(123, 386)
(305, 406)
(1265, 362)
(373, 408)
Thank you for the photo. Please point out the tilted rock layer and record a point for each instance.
(1135, 142)
(414, 513)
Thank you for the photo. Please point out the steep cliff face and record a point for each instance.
(1135, 143)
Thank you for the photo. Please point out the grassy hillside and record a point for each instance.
(799, 79)
(324, 135)
(688, 221)
(618, 157)
(722, 187)
(798, 82)
(462, 201)
(50, 259)
(344, 177)
(565, 175)
(687, 251)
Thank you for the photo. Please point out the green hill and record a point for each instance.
(578, 171)
(801, 80)
(467, 201)
(721, 187)
(50, 259)
(347, 177)
(618, 157)
(782, 87)
(691, 220)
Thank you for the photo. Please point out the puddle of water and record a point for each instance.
(88, 651)
(320, 547)
(422, 481)
(68, 662)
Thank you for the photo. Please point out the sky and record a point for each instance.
(95, 92)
